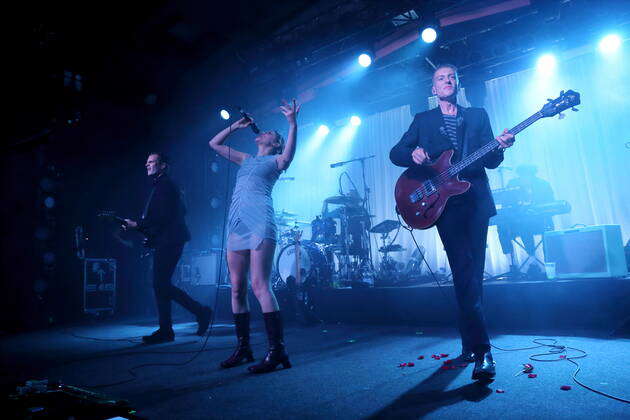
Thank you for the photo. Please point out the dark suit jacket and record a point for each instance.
(164, 222)
(427, 131)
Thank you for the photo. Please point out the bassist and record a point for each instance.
(463, 226)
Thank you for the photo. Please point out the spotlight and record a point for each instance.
(215, 202)
(323, 130)
(546, 64)
(428, 34)
(355, 121)
(49, 202)
(365, 60)
(225, 114)
(610, 44)
(214, 167)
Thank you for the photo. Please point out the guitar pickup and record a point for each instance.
(429, 188)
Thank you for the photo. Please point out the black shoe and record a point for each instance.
(243, 351)
(203, 320)
(484, 366)
(467, 356)
(159, 336)
(277, 354)
(274, 357)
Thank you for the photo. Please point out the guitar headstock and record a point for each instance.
(566, 100)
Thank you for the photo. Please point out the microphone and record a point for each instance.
(334, 165)
(253, 125)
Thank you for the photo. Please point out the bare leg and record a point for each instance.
(261, 264)
(238, 264)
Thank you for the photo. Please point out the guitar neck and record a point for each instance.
(490, 146)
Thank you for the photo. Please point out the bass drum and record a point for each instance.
(314, 267)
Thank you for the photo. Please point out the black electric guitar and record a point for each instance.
(111, 216)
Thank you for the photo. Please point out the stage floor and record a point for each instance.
(339, 371)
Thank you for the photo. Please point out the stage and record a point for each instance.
(348, 367)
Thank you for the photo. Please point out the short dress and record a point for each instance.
(251, 217)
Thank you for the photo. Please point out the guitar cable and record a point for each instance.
(554, 348)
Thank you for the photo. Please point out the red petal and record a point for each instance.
(500, 391)
(411, 364)
(444, 355)
(420, 357)
(563, 356)
(448, 362)
(444, 367)
(565, 387)
(532, 375)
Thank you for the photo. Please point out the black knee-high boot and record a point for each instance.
(276, 354)
(243, 351)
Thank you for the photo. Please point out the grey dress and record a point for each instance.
(251, 217)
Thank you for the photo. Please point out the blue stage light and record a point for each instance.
(610, 44)
(355, 121)
(365, 60)
(323, 130)
(546, 64)
(428, 34)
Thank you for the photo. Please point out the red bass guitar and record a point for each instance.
(422, 191)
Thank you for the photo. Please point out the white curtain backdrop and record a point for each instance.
(583, 156)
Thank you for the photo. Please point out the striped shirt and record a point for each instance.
(450, 124)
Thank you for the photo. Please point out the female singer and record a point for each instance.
(252, 235)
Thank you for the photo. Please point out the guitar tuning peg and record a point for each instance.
(561, 116)
(574, 109)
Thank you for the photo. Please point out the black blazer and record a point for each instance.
(427, 131)
(164, 222)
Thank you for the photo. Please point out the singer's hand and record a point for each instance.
(242, 123)
(419, 156)
(290, 110)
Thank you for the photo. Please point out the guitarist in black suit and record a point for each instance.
(165, 229)
(463, 226)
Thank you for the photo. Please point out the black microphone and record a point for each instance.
(253, 125)
(334, 165)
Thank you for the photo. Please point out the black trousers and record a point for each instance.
(165, 260)
(464, 230)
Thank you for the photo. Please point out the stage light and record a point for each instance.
(429, 34)
(355, 121)
(365, 60)
(225, 114)
(546, 64)
(610, 44)
(49, 258)
(215, 202)
(323, 130)
(49, 202)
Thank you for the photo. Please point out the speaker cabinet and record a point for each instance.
(587, 252)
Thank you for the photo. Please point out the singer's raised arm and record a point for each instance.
(226, 151)
(290, 111)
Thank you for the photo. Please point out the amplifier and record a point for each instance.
(204, 269)
(588, 252)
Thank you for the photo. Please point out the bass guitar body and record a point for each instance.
(422, 191)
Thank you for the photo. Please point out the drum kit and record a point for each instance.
(338, 252)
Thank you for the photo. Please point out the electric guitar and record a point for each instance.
(111, 216)
(422, 191)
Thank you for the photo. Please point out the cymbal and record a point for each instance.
(391, 248)
(385, 226)
(347, 200)
(285, 213)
